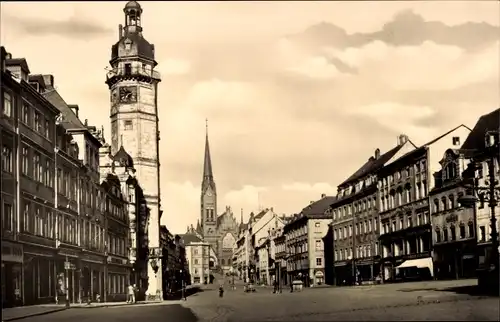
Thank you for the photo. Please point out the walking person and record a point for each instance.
(130, 295)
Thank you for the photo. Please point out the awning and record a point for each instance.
(419, 263)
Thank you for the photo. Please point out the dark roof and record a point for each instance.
(18, 62)
(144, 48)
(190, 238)
(133, 5)
(476, 139)
(69, 119)
(443, 135)
(372, 165)
(261, 214)
(123, 158)
(318, 207)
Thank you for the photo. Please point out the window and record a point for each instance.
(482, 231)
(319, 261)
(471, 229)
(456, 140)
(452, 201)
(47, 129)
(453, 233)
(36, 166)
(26, 114)
(438, 235)
(7, 223)
(26, 218)
(47, 174)
(7, 158)
(401, 223)
(410, 221)
(319, 245)
(462, 231)
(128, 69)
(38, 124)
(317, 225)
(25, 161)
(7, 104)
(445, 234)
(196, 261)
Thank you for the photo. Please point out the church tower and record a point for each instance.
(208, 198)
(133, 85)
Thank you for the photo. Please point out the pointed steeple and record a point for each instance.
(207, 165)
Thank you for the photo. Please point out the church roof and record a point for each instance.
(208, 175)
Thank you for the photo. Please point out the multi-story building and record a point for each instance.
(281, 257)
(304, 242)
(405, 225)
(482, 147)
(355, 219)
(198, 254)
(54, 209)
(453, 226)
(121, 166)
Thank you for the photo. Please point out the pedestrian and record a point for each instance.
(221, 291)
(130, 295)
(134, 291)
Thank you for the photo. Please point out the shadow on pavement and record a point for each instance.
(188, 292)
(180, 313)
(472, 290)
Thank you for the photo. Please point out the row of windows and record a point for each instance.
(210, 215)
(449, 233)
(404, 222)
(392, 199)
(357, 207)
(361, 252)
(297, 232)
(117, 245)
(446, 202)
(405, 173)
(363, 227)
(36, 121)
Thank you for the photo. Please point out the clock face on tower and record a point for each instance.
(128, 94)
(209, 193)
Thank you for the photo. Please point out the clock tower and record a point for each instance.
(133, 85)
(208, 199)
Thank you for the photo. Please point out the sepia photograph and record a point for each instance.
(226, 161)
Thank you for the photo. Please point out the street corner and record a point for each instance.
(18, 313)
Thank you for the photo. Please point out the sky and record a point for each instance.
(298, 95)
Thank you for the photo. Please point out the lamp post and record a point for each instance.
(488, 274)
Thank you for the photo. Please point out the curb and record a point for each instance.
(34, 314)
(114, 305)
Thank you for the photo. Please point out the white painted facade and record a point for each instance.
(316, 230)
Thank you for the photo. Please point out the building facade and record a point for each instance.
(198, 257)
(54, 209)
(403, 185)
(453, 233)
(304, 242)
(355, 219)
(133, 83)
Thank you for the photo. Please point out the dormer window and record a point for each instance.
(456, 141)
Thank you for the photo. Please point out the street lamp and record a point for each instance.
(486, 194)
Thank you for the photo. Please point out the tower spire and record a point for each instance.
(207, 165)
(241, 216)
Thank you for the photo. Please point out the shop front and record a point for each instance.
(455, 260)
(39, 275)
(68, 278)
(12, 271)
(93, 277)
(118, 279)
(342, 273)
(368, 269)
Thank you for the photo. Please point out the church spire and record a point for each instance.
(207, 165)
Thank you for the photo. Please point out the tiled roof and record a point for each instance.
(318, 207)
(476, 139)
(372, 165)
(189, 239)
(69, 119)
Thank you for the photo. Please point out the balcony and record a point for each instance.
(130, 73)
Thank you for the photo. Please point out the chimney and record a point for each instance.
(74, 108)
(311, 202)
(377, 154)
(323, 195)
(48, 80)
(8, 56)
(272, 209)
(120, 31)
(402, 139)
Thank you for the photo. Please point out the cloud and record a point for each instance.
(400, 118)
(174, 67)
(74, 27)
(316, 68)
(407, 28)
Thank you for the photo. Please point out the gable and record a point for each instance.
(406, 148)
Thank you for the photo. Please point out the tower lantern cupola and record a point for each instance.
(133, 13)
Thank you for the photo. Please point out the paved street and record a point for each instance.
(421, 301)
